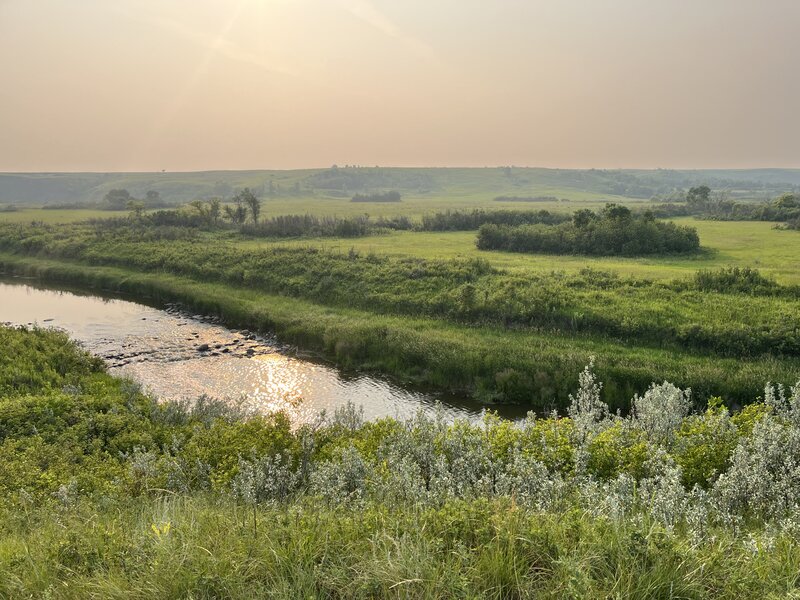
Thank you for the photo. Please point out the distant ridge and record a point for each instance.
(343, 182)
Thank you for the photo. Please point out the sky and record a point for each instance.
(180, 85)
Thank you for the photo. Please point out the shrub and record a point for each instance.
(456, 220)
(742, 280)
(614, 232)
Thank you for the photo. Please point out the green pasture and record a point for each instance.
(66, 215)
(755, 244)
(726, 243)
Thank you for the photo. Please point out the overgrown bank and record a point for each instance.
(728, 321)
(107, 493)
(536, 369)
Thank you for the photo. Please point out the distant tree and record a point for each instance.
(788, 200)
(698, 195)
(118, 199)
(581, 218)
(237, 214)
(152, 198)
(721, 198)
(201, 208)
(214, 210)
(136, 207)
(616, 211)
(249, 199)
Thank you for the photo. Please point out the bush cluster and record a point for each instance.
(57, 402)
(459, 220)
(615, 231)
(701, 204)
(313, 226)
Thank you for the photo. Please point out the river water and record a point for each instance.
(176, 355)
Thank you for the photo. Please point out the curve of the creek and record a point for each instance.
(178, 355)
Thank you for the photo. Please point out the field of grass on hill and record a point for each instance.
(726, 243)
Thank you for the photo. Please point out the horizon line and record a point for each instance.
(354, 166)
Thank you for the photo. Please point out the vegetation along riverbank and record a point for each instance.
(460, 324)
(108, 493)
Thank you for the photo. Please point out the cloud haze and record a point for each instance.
(206, 84)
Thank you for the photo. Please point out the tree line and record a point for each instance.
(700, 202)
(458, 220)
(122, 199)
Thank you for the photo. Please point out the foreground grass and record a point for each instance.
(204, 547)
(106, 494)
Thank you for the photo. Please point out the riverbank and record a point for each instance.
(538, 370)
(108, 493)
(177, 355)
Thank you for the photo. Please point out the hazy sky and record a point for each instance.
(106, 85)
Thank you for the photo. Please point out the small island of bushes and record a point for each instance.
(615, 230)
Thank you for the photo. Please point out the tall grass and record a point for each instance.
(536, 369)
(108, 494)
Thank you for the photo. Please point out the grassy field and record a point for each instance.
(502, 326)
(726, 243)
(66, 215)
(413, 206)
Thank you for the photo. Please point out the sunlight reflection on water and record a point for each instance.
(174, 356)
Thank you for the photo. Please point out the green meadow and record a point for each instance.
(753, 244)
(432, 309)
(52, 216)
(725, 243)
(429, 306)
